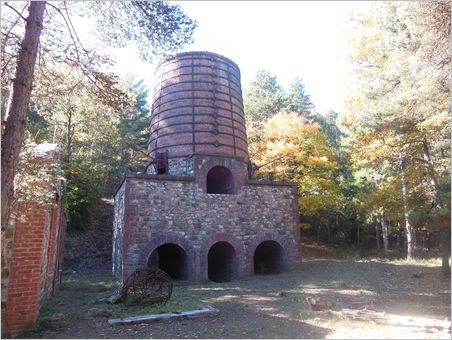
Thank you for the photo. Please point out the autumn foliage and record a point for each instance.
(296, 150)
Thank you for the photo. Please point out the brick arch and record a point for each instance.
(161, 238)
(233, 165)
(209, 242)
(284, 241)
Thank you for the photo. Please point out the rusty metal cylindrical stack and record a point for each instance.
(198, 107)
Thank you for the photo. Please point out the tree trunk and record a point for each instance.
(409, 230)
(16, 115)
(377, 235)
(444, 223)
(357, 236)
(445, 251)
(384, 232)
(70, 134)
(431, 171)
(404, 240)
(429, 238)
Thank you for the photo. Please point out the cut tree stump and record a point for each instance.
(318, 303)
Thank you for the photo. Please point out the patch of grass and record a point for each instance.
(358, 254)
(52, 317)
(80, 297)
(181, 300)
(426, 262)
(71, 302)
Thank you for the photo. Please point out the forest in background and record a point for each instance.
(374, 176)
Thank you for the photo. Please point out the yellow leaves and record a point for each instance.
(435, 122)
(366, 43)
(286, 134)
(298, 151)
(373, 149)
(311, 204)
(283, 126)
(367, 19)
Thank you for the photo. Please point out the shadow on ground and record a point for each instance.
(269, 306)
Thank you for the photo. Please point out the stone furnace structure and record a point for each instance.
(196, 213)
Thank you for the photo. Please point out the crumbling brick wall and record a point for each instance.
(32, 250)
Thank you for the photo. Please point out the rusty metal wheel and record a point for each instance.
(149, 286)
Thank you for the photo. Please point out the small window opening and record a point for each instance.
(162, 163)
(170, 258)
(222, 264)
(220, 181)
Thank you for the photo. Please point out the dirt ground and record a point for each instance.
(270, 306)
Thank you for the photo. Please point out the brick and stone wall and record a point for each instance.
(196, 213)
(32, 252)
(7, 251)
(177, 167)
(168, 209)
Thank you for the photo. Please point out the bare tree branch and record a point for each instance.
(15, 10)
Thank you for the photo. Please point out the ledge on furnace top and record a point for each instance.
(192, 179)
(46, 151)
(194, 53)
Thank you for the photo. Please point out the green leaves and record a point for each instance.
(397, 112)
(158, 28)
(264, 97)
(298, 100)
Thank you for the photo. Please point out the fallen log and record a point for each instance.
(165, 316)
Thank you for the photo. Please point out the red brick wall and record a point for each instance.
(25, 281)
(35, 265)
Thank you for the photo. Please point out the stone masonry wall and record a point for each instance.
(166, 209)
(177, 167)
(7, 253)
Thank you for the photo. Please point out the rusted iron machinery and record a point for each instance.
(145, 286)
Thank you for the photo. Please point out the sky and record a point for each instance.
(306, 39)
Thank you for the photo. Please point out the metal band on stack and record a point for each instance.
(198, 107)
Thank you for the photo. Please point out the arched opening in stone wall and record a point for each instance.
(269, 258)
(222, 262)
(170, 258)
(220, 181)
